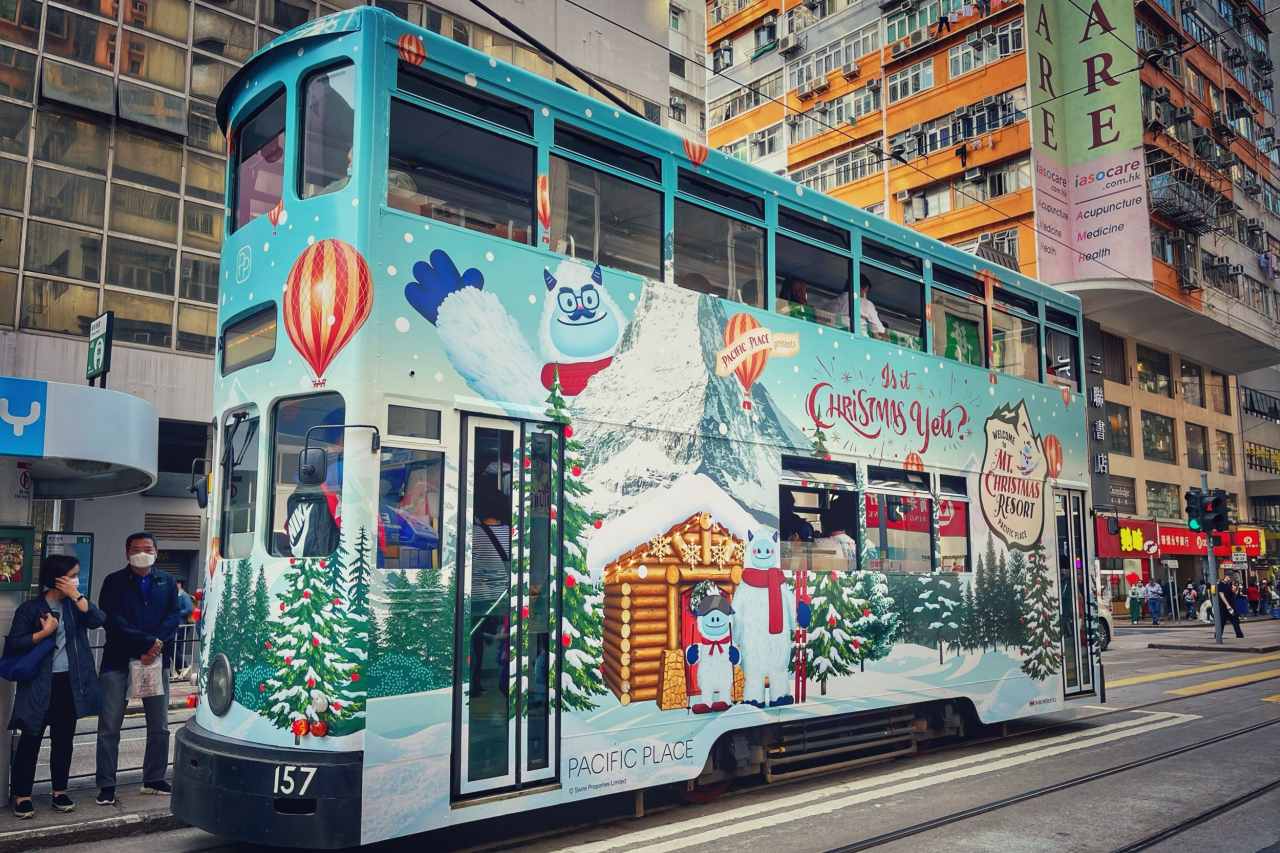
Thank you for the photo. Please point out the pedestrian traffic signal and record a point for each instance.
(1216, 515)
(1195, 509)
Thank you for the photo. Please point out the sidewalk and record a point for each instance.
(133, 814)
(1260, 636)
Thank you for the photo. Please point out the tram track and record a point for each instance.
(1196, 820)
(1044, 790)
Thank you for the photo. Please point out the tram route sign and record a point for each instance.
(98, 362)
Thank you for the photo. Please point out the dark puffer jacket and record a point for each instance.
(32, 701)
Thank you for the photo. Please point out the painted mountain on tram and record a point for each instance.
(684, 418)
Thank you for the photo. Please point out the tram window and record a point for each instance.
(721, 194)
(718, 254)
(1015, 345)
(1061, 359)
(899, 526)
(811, 283)
(600, 218)
(239, 483)
(468, 100)
(249, 340)
(305, 519)
(899, 303)
(411, 484)
(455, 172)
(618, 156)
(953, 524)
(1010, 299)
(259, 161)
(818, 527)
(959, 328)
(328, 128)
(959, 281)
(413, 422)
(893, 257)
(1059, 318)
(810, 227)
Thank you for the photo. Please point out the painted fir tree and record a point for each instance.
(259, 627)
(1010, 600)
(582, 600)
(308, 651)
(1041, 645)
(969, 637)
(830, 650)
(244, 644)
(876, 625)
(355, 609)
(938, 600)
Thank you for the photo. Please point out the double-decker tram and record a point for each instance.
(558, 457)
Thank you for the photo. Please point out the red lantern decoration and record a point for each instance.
(324, 564)
(834, 576)
(337, 706)
(553, 513)
(337, 602)
(267, 644)
(411, 49)
(526, 462)
(524, 612)
(696, 152)
(328, 296)
(299, 727)
(1053, 455)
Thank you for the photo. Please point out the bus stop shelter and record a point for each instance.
(61, 441)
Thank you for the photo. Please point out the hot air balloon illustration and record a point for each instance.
(411, 49)
(544, 201)
(753, 365)
(1053, 455)
(277, 216)
(913, 462)
(327, 298)
(695, 151)
(1066, 396)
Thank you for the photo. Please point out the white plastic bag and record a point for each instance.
(146, 679)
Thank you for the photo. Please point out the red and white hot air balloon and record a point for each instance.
(695, 151)
(1053, 455)
(411, 49)
(914, 462)
(753, 365)
(277, 216)
(327, 298)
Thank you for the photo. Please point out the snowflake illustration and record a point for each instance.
(659, 547)
(691, 553)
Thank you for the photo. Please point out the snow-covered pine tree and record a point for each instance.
(876, 625)
(259, 618)
(969, 635)
(987, 599)
(244, 646)
(222, 639)
(940, 603)
(355, 609)
(433, 639)
(1041, 645)
(307, 650)
(1011, 600)
(582, 600)
(834, 606)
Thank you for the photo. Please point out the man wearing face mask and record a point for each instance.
(142, 618)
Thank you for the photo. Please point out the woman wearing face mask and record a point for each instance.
(142, 618)
(64, 689)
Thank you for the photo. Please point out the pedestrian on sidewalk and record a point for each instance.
(66, 686)
(1189, 599)
(1227, 606)
(1254, 595)
(1136, 593)
(1155, 598)
(142, 617)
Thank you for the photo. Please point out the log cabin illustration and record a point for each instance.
(647, 616)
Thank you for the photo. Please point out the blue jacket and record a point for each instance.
(31, 703)
(135, 622)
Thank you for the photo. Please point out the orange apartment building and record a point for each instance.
(921, 111)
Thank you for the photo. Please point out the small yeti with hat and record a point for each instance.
(714, 654)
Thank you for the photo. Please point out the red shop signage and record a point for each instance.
(1135, 539)
(1180, 540)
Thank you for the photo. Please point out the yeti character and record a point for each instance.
(715, 655)
(581, 327)
(765, 615)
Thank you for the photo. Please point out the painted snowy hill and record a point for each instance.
(684, 419)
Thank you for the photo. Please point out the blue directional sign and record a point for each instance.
(23, 408)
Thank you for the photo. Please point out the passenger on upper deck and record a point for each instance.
(871, 325)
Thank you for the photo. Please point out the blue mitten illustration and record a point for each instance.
(436, 278)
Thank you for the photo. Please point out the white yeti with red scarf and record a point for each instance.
(766, 614)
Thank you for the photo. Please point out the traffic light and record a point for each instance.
(1217, 514)
(1195, 509)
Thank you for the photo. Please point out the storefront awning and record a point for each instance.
(1140, 539)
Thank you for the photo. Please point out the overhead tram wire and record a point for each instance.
(889, 156)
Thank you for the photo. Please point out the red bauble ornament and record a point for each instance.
(267, 644)
(192, 700)
(299, 727)
(526, 462)
(569, 582)
(282, 607)
(831, 620)
(196, 613)
(292, 561)
(576, 470)
(262, 687)
(337, 706)
(568, 431)
(355, 676)
(311, 682)
(866, 612)
(566, 640)
(288, 660)
(319, 728)
(524, 612)
(324, 564)
(834, 576)
(826, 457)
(598, 523)
(315, 641)
(857, 644)
(337, 602)
(306, 593)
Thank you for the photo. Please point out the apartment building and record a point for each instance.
(1260, 427)
(1063, 139)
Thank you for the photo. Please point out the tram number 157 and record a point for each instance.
(292, 780)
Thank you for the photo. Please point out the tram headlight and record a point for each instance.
(220, 686)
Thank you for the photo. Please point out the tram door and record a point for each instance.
(505, 725)
(1073, 586)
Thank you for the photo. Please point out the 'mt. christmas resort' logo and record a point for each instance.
(1014, 472)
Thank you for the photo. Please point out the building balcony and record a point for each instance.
(1181, 202)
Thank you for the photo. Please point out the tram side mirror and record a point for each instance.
(313, 466)
(200, 483)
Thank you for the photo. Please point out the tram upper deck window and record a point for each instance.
(897, 305)
(239, 501)
(458, 173)
(719, 254)
(259, 147)
(305, 519)
(328, 129)
(1015, 345)
(602, 218)
(959, 328)
(1061, 359)
(811, 283)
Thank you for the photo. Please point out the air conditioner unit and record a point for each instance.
(1219, 262)
(1235, 269)
(770, 20)
(1182, 114)
(989, 33)
(899, 48)
(903, 196)
(973, 174)
(820, 83)
(793, 119)
(906, 7)
(873, 84)
(1190, 279)
(788, 44)
(1265, 65)
(960, 112)
(806, 90)
(918, 37)
(1267, 133)
(1160, 95)
(989, 101)
(1254, 224)
(850, 71)
(821, 107)
(676, 102)
(1252, 188)
(725, 44)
